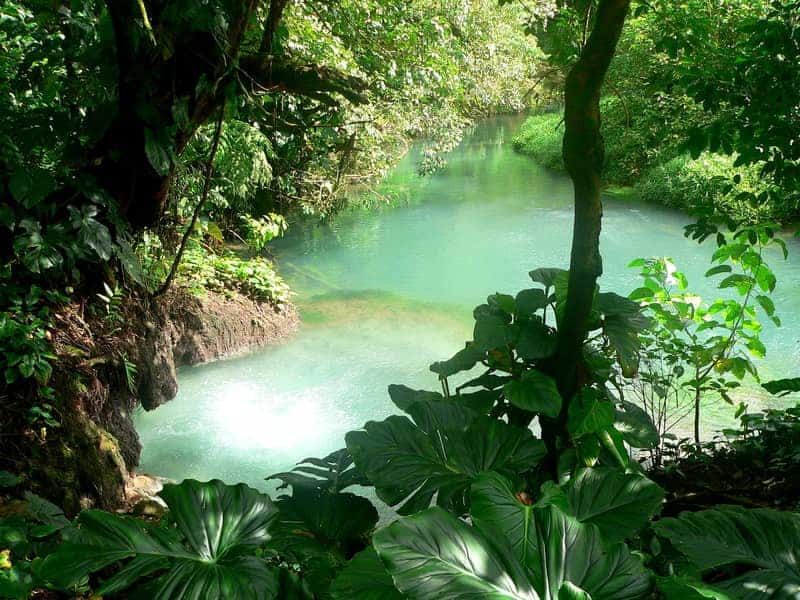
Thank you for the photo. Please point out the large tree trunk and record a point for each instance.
(157, 77)
(583, 153)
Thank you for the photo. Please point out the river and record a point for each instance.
(383, 292)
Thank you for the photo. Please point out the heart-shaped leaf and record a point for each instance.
(440, 453)
(534, 392)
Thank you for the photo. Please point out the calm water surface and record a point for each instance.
(385, 292)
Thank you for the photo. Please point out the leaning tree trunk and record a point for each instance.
(583, 153)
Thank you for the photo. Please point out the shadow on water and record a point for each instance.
(385, 292)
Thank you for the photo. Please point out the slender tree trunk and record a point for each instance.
(583, 153)
(209, 172)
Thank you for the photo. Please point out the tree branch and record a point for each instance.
(267, 74)
(195, 215)
(276, 8)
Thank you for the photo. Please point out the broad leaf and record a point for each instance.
(622, 323)
(620, 504)
(766, 540)
(159, 152)
(32, 186)
(782, 387)
(492, 329)
(463, 360)
(530, 301)
(434, 556)
(440, 454)
(8, 479)
(204, 556)
(547, 276)
(535, 340)
(682, 588)
(589, 413)
(504, 302)
(534, 392)
(404, 396)
(334, 473)
(636, 426)
(318, 530)
(481, 401)
(365, 578)
(500, 512)
(342, 519)
(570, 551)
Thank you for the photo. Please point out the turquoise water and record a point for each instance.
(384, 292)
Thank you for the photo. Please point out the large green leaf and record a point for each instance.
(535, 392)
(434, 556)
(683, 588)
(463, 360)
(403, 396)
(636, 426)
(334, 473)
(535, 340)
(620, 504)
(768, 541)
(782, 387)
(589, 413)
(317, 531)
(204, 556)
(30, 187)
(622, 322)
(158, 148)
(8, 479)
(547, 276)
(447, 447)
(531, 300)
(503, 513)
(341, 519)
(575, 552)
(492, 328)
(365, 578)
(15, 583)
(217, 518)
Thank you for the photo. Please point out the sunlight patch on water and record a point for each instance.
(249, 417)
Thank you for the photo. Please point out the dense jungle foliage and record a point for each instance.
(149, 143)
(151, 147)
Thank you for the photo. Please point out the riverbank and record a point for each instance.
(385, 293)
(660, 171)
(105, 370)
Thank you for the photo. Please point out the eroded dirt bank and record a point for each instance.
(107, 369)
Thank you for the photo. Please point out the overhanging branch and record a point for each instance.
(314, 81)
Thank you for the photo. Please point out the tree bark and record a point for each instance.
(159, 82)
(583, 153)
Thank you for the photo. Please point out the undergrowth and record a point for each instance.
(640, 154)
